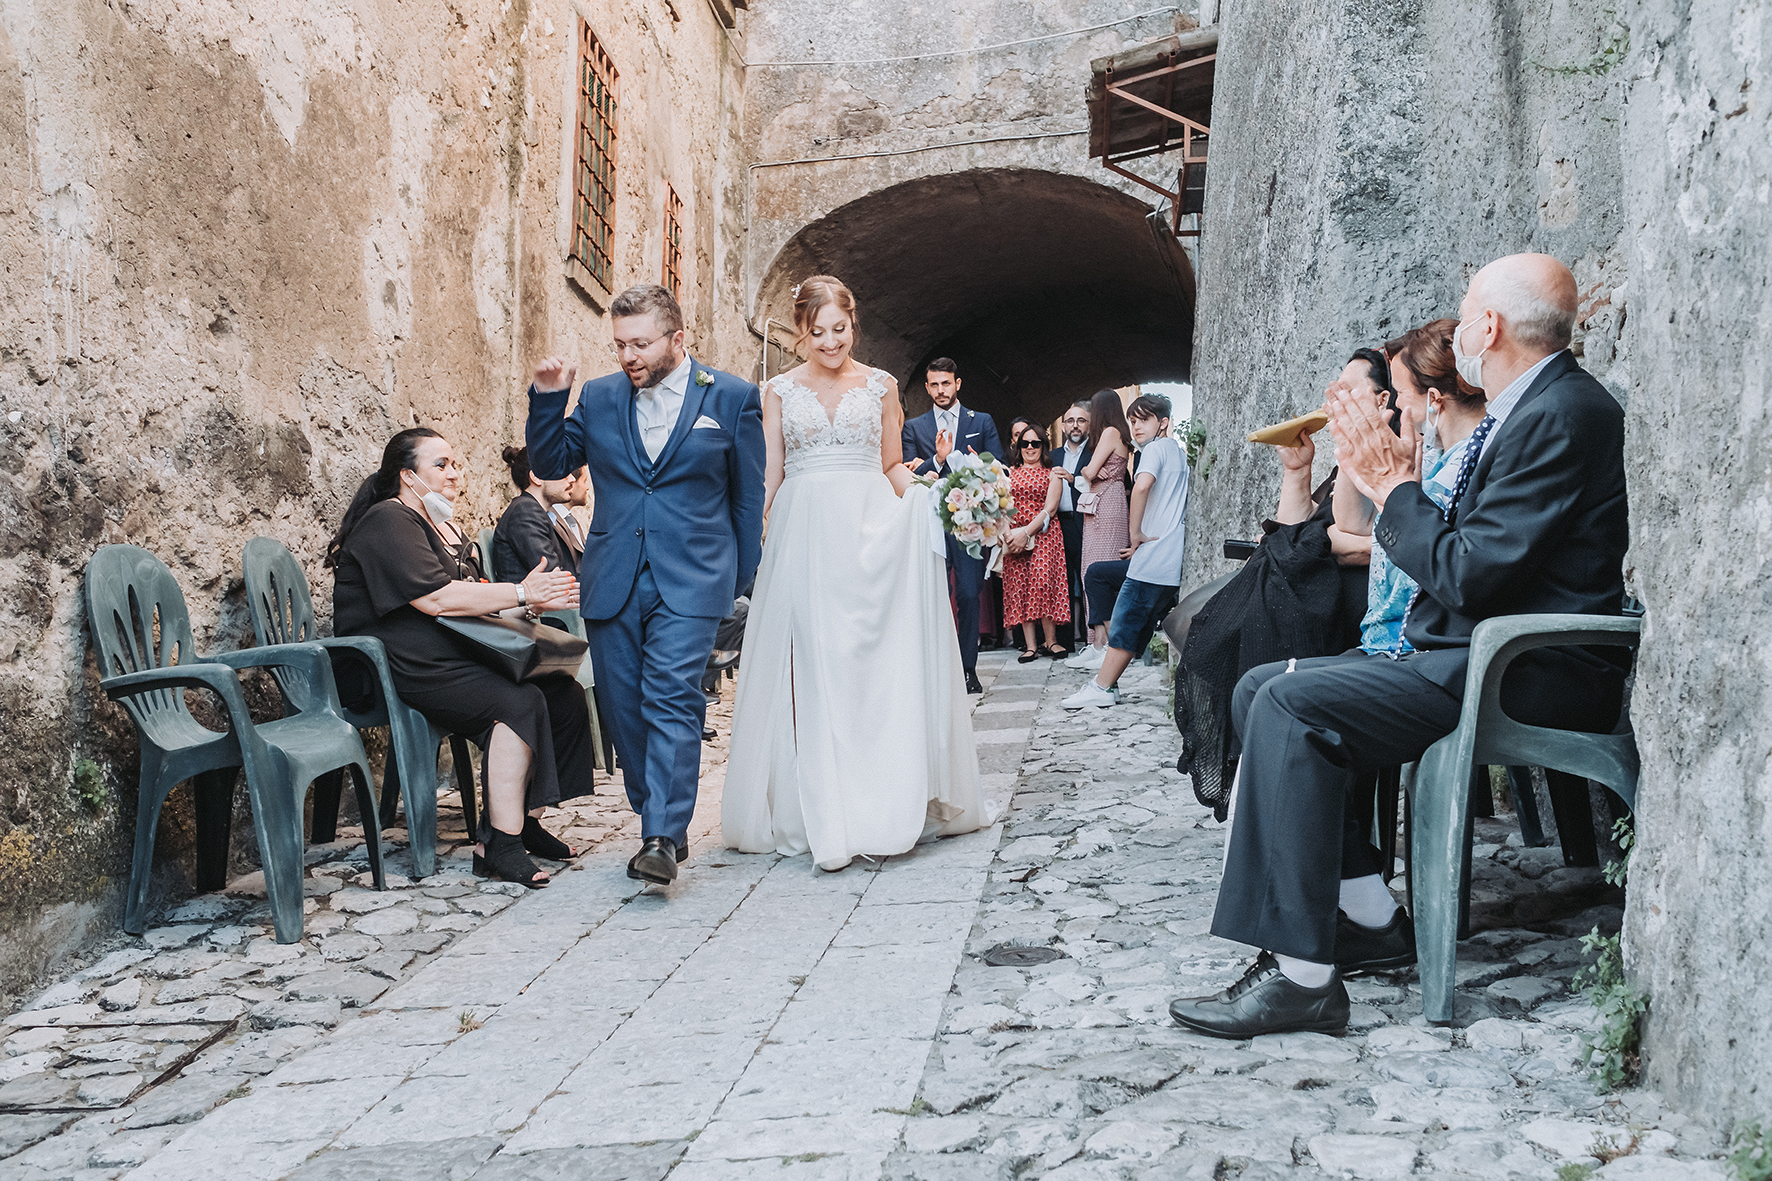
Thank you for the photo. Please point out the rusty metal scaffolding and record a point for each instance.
(1151, 101)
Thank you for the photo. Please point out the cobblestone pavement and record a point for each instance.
(761, 1019)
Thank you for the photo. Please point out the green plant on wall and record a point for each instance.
(1192, 437)
(89, 785)
(1626, 836)
(1613, 1049)
(1751, 1158)
(1610, 54)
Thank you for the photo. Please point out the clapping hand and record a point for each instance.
(1376, 460)
(944, 447)
(554, 374)
(550, 590)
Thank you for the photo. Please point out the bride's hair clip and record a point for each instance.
(797, 291)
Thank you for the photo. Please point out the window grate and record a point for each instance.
(593, 199)
(673, 243)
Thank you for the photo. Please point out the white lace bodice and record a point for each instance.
(810, 436)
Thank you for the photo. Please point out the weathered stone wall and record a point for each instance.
(1698, 157)
(1367, 158)
(952, 190)
(239, 246)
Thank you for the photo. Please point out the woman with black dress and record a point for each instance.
(398, 563)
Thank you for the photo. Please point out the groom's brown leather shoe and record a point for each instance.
(656, 861)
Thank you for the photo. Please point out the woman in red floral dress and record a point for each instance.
(1033, 555)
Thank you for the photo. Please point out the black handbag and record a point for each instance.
(517, 648)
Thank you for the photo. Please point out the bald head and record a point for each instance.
(1533, 295)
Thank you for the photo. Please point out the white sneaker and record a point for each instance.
(1087, 660)
(1092, 694)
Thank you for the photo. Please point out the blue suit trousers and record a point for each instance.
(649, 662)
(968, 582)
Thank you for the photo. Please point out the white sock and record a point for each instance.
(1304, 973)
(1367, 901)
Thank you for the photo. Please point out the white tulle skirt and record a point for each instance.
(852, 732)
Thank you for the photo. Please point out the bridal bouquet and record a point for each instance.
(974, 501)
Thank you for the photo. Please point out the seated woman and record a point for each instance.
(527, 531)
(1421, 366)
(398, 562)
(1302, 594)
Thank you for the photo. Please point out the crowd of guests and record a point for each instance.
(1479, 474)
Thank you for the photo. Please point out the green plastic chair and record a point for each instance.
(1440, 832)
(142, 631)
(282, 613)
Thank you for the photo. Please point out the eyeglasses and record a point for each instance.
(619, 347)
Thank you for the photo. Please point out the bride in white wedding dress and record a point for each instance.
(852, 731)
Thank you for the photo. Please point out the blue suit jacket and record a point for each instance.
(696, 515)
(978, 432)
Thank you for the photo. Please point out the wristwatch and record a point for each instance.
(522, 596)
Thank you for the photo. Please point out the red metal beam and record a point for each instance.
(1151, 106)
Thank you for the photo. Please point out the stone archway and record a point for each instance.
(1043, 286)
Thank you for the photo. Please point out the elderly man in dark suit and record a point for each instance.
(1537, 523)
(932, 437)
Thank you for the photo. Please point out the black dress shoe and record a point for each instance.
(708, 734)
(1264, 1001)
(1363, 950)
(656, 861)
(972, 685)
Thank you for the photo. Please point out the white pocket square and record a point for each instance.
(705, 422)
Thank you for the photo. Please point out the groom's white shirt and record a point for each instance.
(949, 420)
(659, 407)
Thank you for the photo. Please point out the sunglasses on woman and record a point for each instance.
(1026, 443)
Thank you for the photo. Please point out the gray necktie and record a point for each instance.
(652, 421)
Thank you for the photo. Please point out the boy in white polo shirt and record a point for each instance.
(1157, 518)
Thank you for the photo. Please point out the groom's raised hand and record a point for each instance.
(554, 374)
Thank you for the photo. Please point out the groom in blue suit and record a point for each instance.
(932, 437)
(675, 451)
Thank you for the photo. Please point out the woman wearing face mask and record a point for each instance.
(399, 562)
(1421, 367)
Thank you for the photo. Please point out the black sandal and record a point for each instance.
(543, 843)
(505, 859)
(1056, 651)
(1029, 657)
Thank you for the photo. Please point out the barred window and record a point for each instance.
(593, 198)
(672, 280)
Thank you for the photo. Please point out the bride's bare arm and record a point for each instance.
(891, 440)
(774, 450)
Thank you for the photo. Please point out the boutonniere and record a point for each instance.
(703, 377)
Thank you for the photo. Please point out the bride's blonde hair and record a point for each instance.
(811, 296)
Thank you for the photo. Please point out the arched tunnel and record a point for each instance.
(1044, 287)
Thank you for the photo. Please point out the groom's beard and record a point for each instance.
(657, 373)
